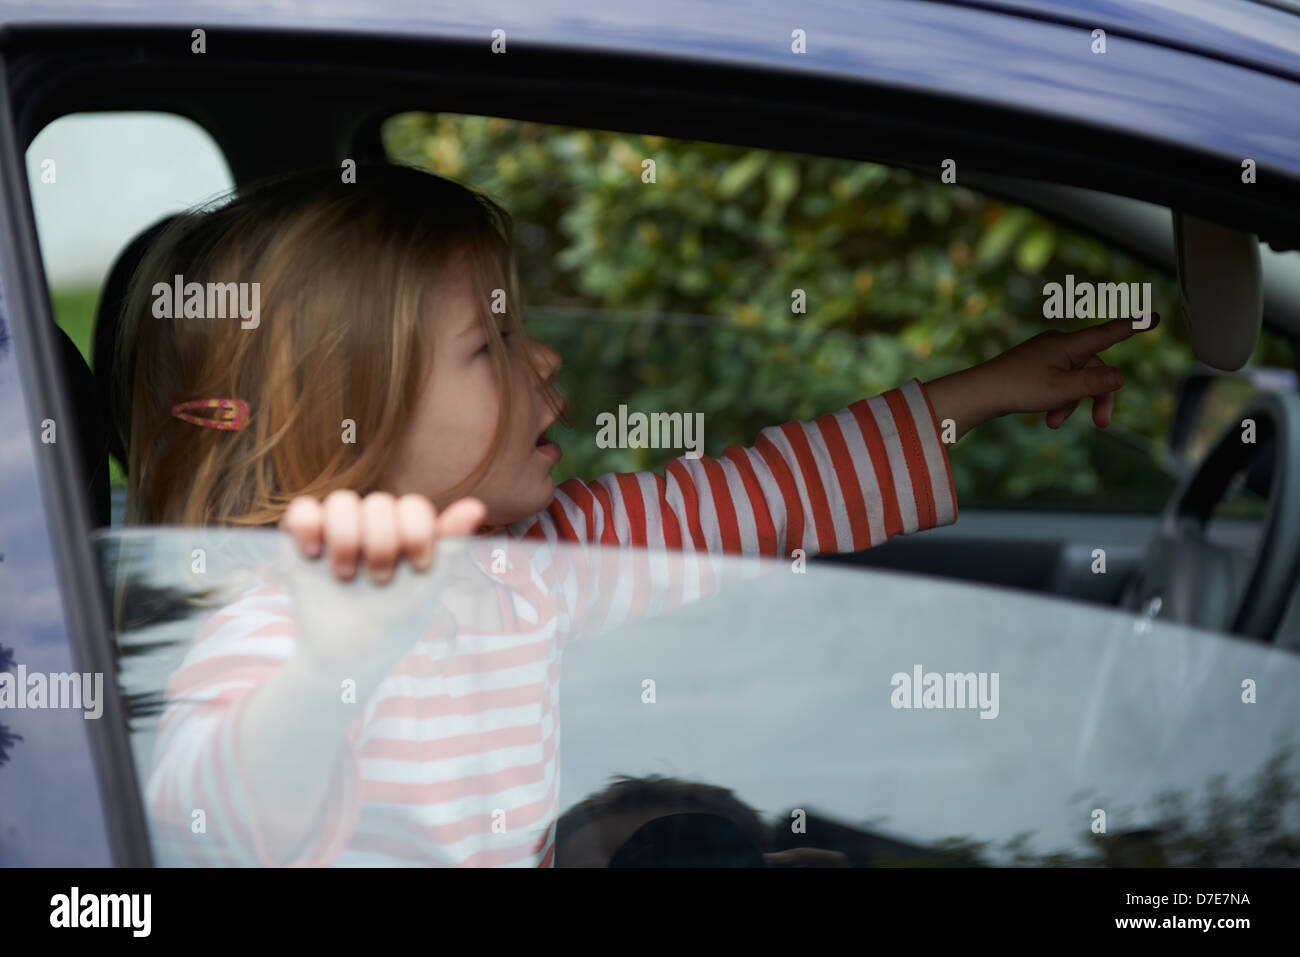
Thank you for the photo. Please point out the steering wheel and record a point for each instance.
(1184, 578)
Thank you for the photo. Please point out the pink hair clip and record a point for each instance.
(231, 414)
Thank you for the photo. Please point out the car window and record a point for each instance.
(713, 709)
(747, 713)
(757, 286)
(98, 180)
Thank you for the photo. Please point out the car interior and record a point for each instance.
(272, 111)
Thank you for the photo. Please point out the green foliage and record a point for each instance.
(676, 295)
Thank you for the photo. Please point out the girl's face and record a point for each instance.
(454, 421)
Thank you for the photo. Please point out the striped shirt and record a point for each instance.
(454, 760)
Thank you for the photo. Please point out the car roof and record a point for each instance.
(1189, 92)
(1262, 33)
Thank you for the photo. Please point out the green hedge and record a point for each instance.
(676, 296)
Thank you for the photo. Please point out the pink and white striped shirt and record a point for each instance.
(454, 761)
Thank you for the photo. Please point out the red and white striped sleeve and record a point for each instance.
(197, 764)
(840, 483)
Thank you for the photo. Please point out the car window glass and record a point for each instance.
(753, 717)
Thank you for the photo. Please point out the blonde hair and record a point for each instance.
(349, 276)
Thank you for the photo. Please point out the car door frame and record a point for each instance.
(67, 512)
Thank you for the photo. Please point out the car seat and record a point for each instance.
(90, 426)
(108, 320)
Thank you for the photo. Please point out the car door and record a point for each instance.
(67, 789)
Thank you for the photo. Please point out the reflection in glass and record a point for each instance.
(716, 712)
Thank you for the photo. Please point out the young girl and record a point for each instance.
(383, 399)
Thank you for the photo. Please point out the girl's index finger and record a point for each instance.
(1088, 342)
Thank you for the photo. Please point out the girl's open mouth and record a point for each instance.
(547, 447)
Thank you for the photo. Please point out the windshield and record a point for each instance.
(711, 710)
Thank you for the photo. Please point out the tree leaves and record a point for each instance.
(902, 276)
(740, 174)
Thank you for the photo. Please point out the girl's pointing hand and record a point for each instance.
(1052, 373)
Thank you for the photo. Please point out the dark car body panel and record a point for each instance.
(49, 790)
(1018, 58)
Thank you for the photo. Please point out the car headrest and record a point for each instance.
(108, 319)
